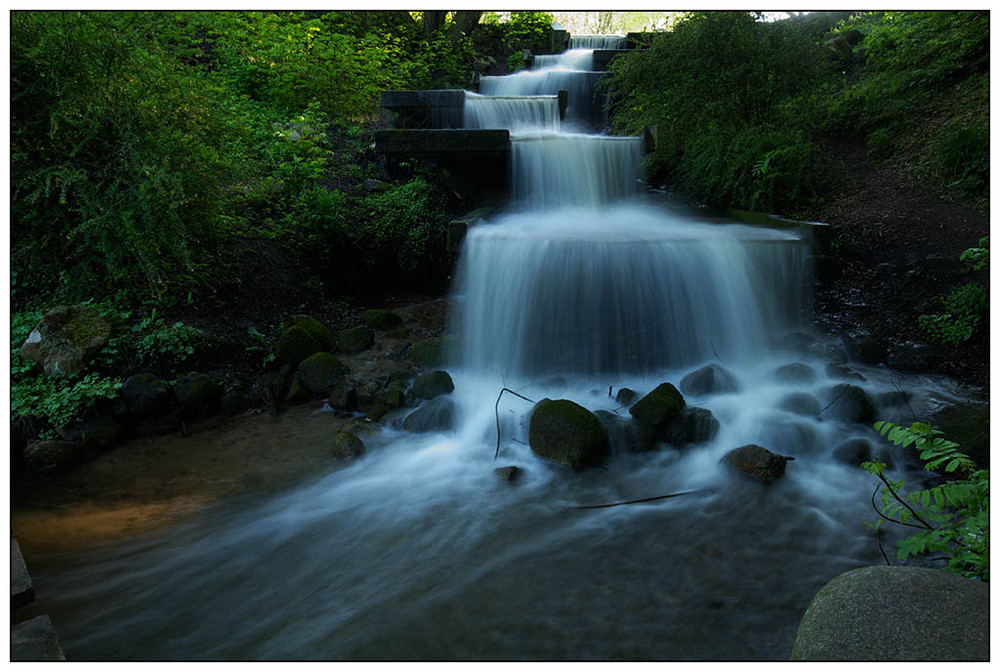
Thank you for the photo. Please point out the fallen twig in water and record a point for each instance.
(634, 501)
(496, 409)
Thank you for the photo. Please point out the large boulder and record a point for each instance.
(967, 424)
(849, 403)
(381, 320)
(565, 432)
(692, 425)
(796, 372)
(896, 614)
(52, 455)
(197, 395)
(96, 432)
(294, 345)
(66, 339)
(320, 372)
(437, 415)
(343, 395)
(800, 403)
(710, 379)
(757, 461)
(355, 339)
(319, 331)
(141, 396)
(432, 384)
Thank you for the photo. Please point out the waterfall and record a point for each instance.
(515, 113)
(596, 42)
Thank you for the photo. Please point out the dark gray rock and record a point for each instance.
(656, 411)
(849, 403)
(510, 473)
(626, 397)
(295, 344)
(692, 425)
(436, 415)
(320, 372)
(95, 433)
(35, 640)
(842, 372)
(382, 320)
(896, 614)
(796, 372)
(141, 396)
(565, 432)
(829, 352)
(710, 379)
(967, 424)
(66, 339)
(757, 461)
(863, 347)
(233, 402)
(430, 352)
(52, 455)
(22, 592)
(347, 446)
(800, 403)
(625, 435)
(355, 339)
(432, 384)
(197, 396)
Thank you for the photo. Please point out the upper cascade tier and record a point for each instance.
(515, 113)
(596, 42)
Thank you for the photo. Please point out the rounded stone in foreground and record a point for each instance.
(565, 432)
(896, 613)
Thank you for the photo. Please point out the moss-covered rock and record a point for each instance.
(343, 395)
(347, 446)
(141, 396)
(98, 432)
(430, 351)
(658, 408)
(392, 398)
(757, 461)
(316, 329)
(378, 411)
(319, 372)
(895, 614)
(66, 339)
(692, 425)
(382, 320)
(52, 455)
(432, 384)
(565, 432)
(508, 473)
(197, 395)
(355, 339)
(294, 345)
(967, 424)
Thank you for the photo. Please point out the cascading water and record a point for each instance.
(417, 551)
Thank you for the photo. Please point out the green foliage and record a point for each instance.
(962, 311)
(963, 158)
(158, 341)
(979, 255)
(879, 143)
(952, 518)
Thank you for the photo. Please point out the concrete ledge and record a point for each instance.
(35, 640)
(457, 228)
(435, 143)
(434, 108)
(603, 56)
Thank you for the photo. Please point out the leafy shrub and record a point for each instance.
(963, 309)
(879, 143)
(952, 518)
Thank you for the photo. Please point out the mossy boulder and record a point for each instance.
(562, 431)
(355, 339)
(849, 403)
(967, 424)
(96, 432)
(626, 396)
(392, 398)
(430, 351)
(316, 329)
(894, 614)
(757, 461)
(343, 395)
(710, 379)
(381, 320)
(197, 395)
(141, 396)
(347, 446)
(66, 339)
(319, 372)
(432, 384)
(692, 425)
(655, 411)
(294, 345)
(52, 455)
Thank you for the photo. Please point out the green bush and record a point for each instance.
(962, 311)
(952, 518)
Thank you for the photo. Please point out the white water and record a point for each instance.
(417, 551)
